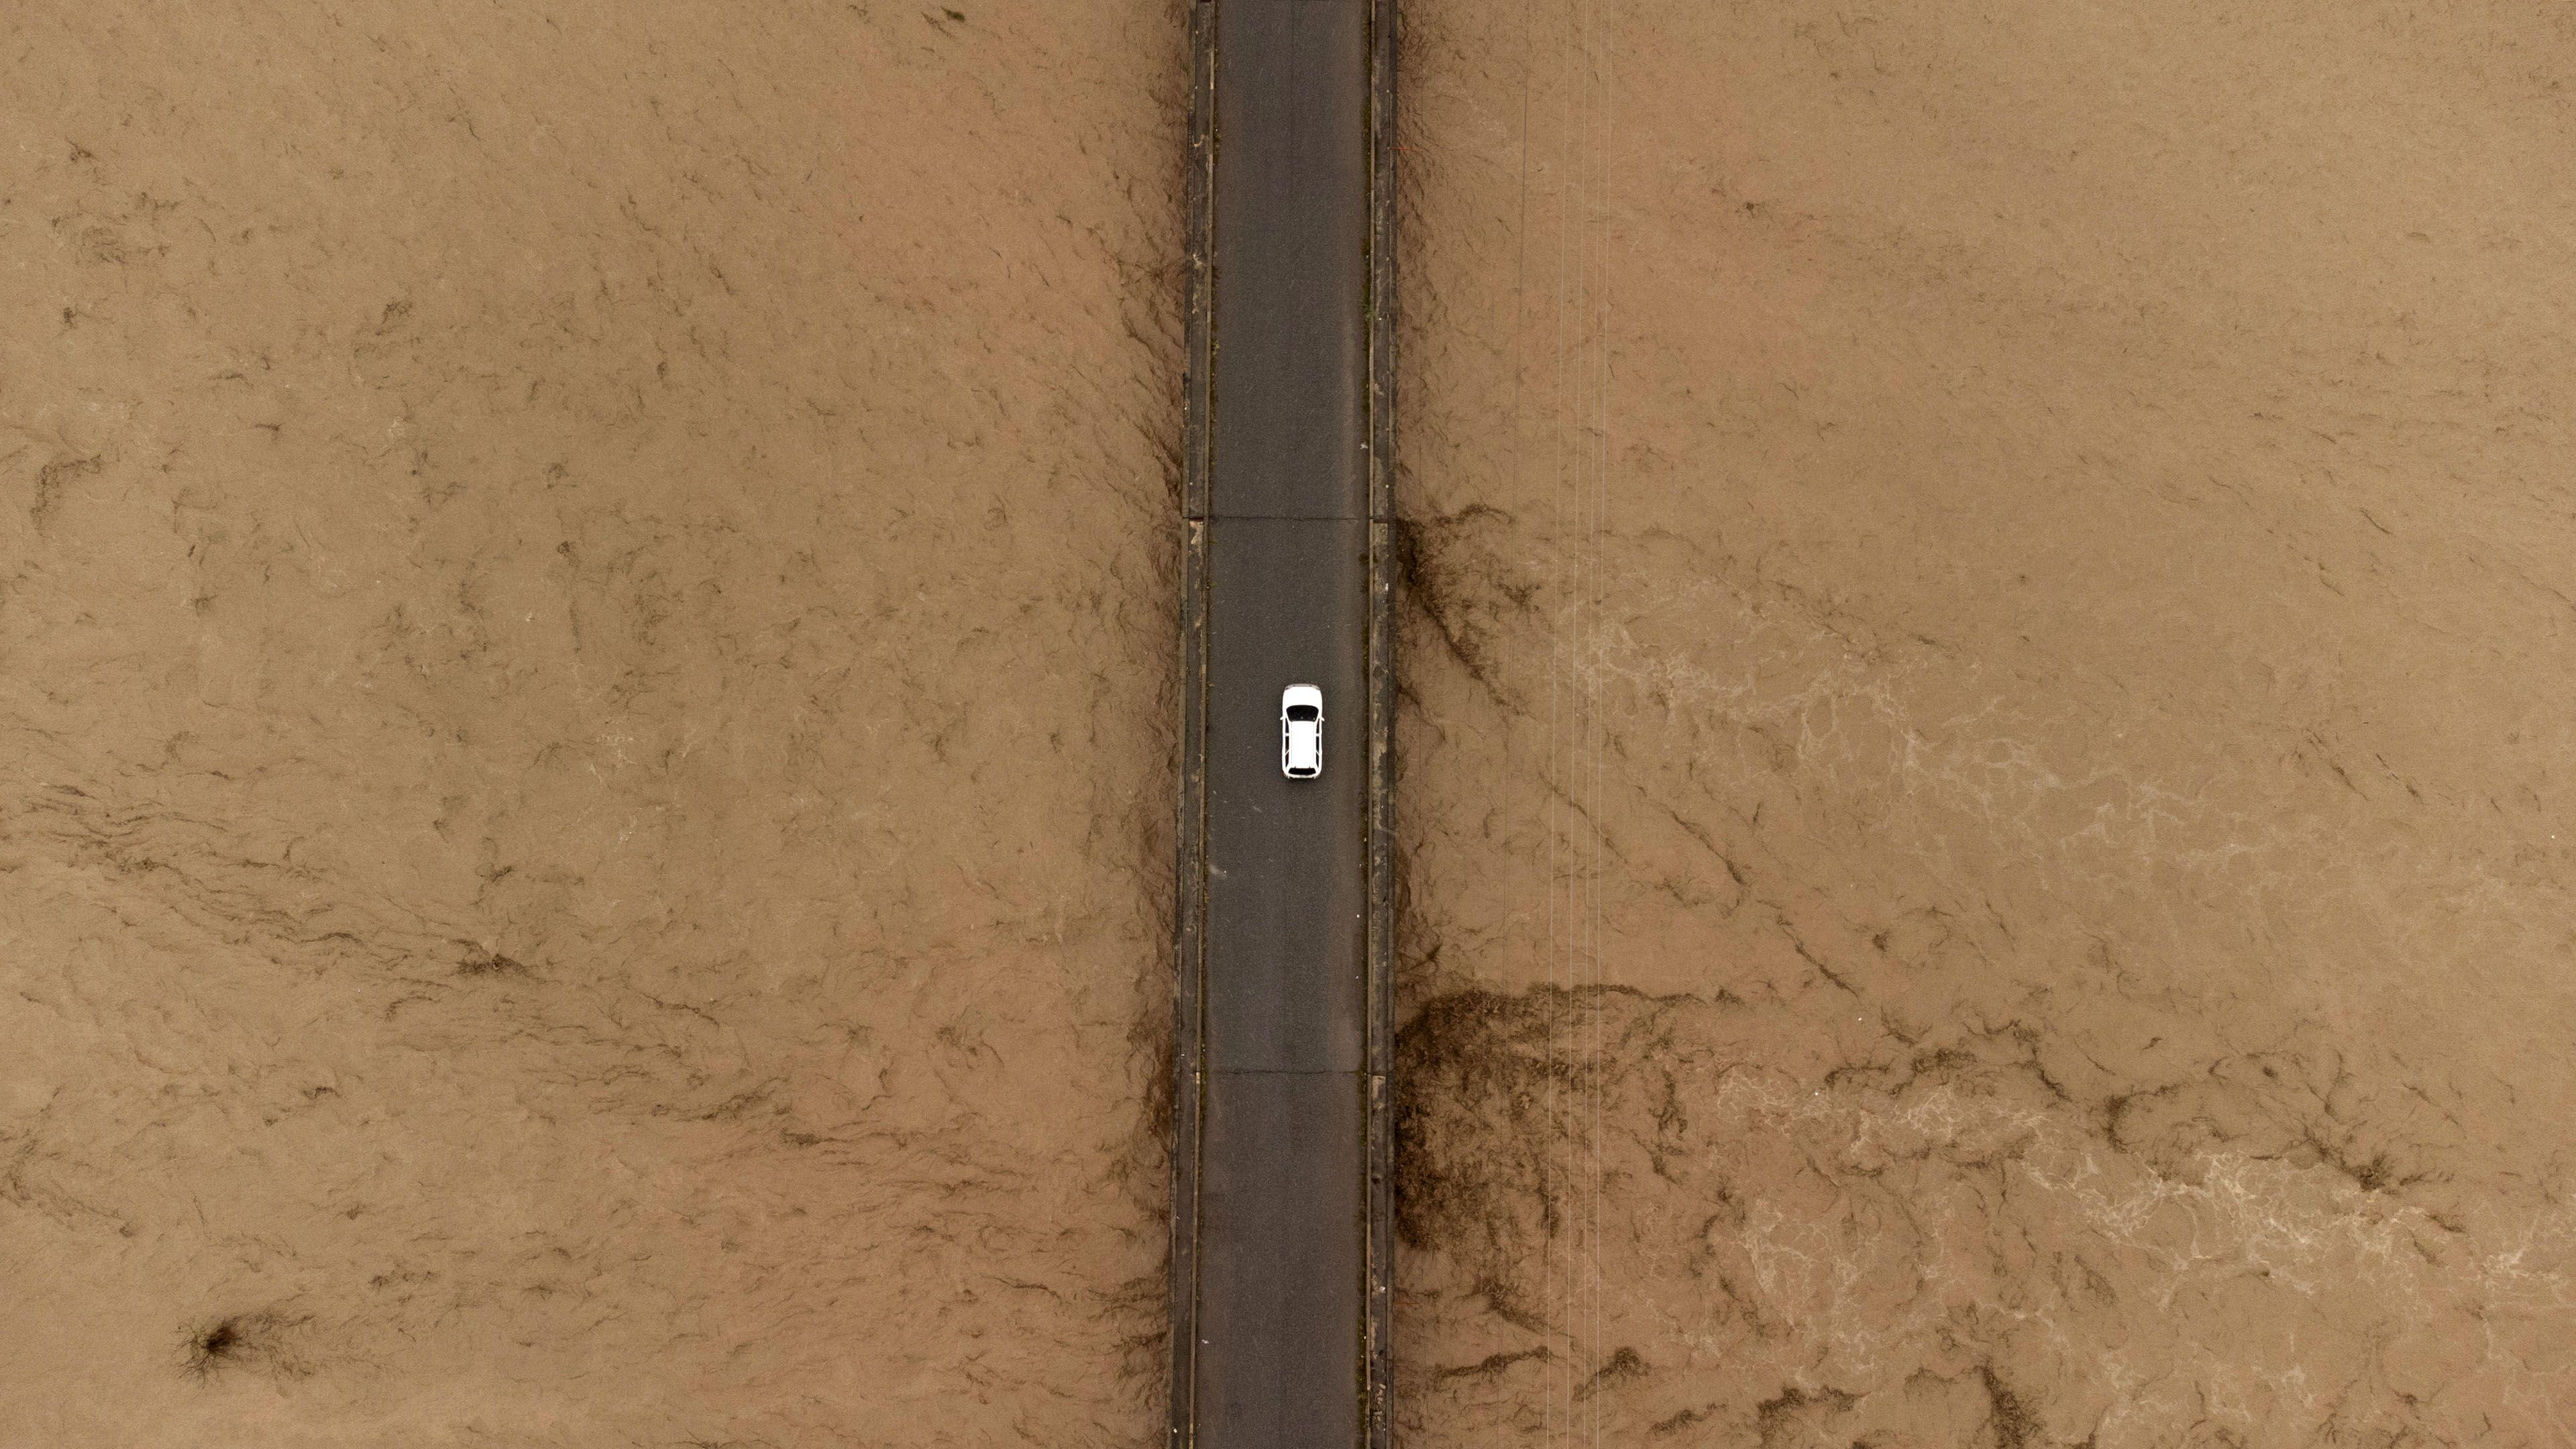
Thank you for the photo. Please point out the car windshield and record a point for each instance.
(1302, 711)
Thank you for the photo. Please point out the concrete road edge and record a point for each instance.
(1379, 1404)
(1189, 1027)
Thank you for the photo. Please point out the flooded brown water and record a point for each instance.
(1988, 759)
(587, 606)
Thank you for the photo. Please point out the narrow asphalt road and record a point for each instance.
(1277, 1308)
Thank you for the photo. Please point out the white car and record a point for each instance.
(1301, 731)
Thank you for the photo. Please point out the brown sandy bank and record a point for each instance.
(586, 596)
(1989, 761)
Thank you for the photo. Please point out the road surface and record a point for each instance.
(1271, 1284)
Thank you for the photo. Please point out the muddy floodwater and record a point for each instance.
(1988, 757)
(586, 664)
(585, 694)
